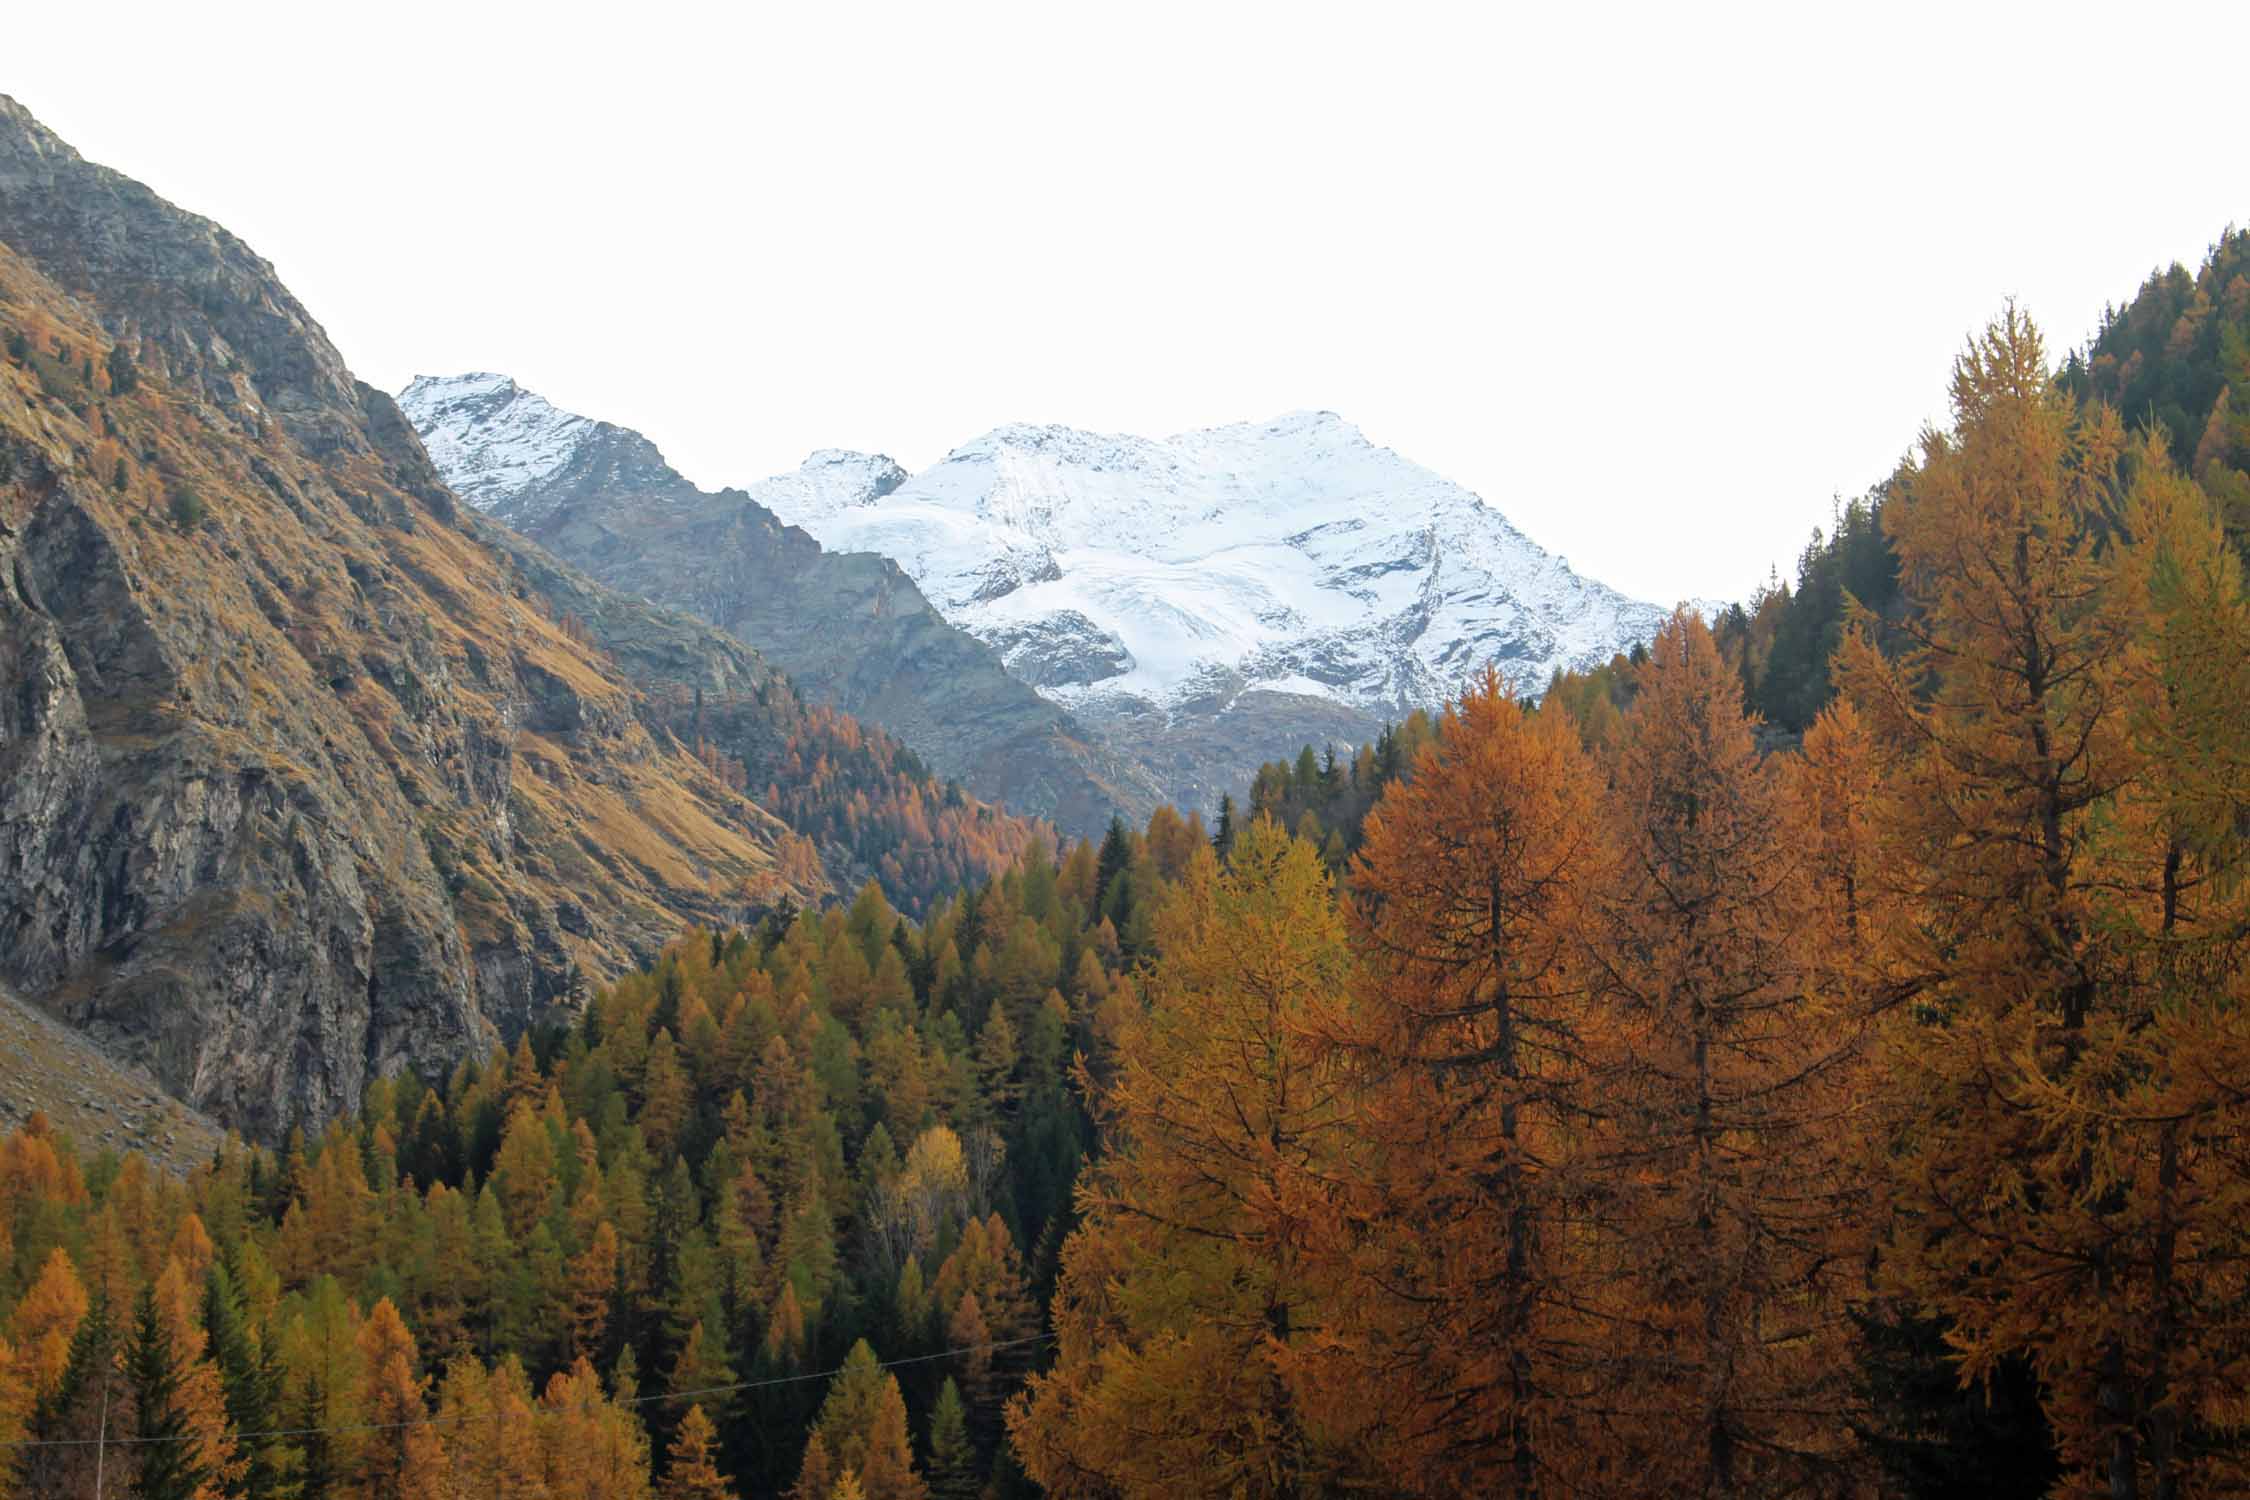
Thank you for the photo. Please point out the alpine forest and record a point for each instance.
(1807, 1056)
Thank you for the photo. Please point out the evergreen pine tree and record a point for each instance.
(123, 377)
(250, 1375)
(953, 1474)
(167, 1464)
(88, 1404)
(1116, 855)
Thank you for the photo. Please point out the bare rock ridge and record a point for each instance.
(850, 628)
(308, 774)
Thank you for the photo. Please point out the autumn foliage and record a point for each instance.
(1620, 1096)
(1694, 1109)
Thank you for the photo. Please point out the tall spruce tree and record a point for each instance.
(166, 1464)
(250, 1374)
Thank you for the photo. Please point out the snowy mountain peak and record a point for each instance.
(829, 480)
(1292, 555)
(1204, 598)
(491, 439)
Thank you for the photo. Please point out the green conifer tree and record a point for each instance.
(953, 1460)
(165, 1459)
(250, 1375)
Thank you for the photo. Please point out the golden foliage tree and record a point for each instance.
(592, 1447)
(403, 1458)
(44, 1322)
(1470, 1039)
(1722, 1341)
(1185, 1293)
(692, 1474)
(491, 1439)
(2066, 835)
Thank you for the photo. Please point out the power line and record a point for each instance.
(536, 1411)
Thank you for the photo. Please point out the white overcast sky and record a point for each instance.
(1658, 282)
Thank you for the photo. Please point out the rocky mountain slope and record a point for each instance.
(1195, 602)
(48, 1069)
(850, 629)
(307, 773)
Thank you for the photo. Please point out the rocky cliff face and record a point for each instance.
(307, 775)
(850, 628)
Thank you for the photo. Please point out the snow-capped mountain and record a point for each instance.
(1202, 603)
(1291, 556)
(495, 442)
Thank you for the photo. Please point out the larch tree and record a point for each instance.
(15, 1410)
(1186, 1292)
(816, 1471)
(2067, 832)
(593, 1447)
(591, 1290)
(44, 1322)
(491, 1441)
(524, 1173)
(402, 1457)
(692, 1473)
(1471, 891)
(1721, 1333)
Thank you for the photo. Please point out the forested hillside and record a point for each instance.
(1645, 1109)
(2168, 361)
(1666, 1117)
(775, 1155)
(1802, 1056)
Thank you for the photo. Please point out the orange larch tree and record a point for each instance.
(1471, 890)
(44, 1322)
(491, 1441)
(691, 1473)
(402, 1458)
(1722, 1336)
(2066, 830)
(1187, 1314)
(593, 1448)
